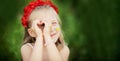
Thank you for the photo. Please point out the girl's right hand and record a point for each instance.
(36, 27)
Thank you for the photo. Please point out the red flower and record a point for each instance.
(31, 6)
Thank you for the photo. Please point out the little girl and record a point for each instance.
(43, 39)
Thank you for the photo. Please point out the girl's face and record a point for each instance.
(49, 16)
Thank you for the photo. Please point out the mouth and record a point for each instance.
(53, 34)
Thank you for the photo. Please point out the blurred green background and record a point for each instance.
(91, 29)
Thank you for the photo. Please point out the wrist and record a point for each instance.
(39, 38)
(48, 43)
(47, 38)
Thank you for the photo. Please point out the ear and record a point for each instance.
(31, 32)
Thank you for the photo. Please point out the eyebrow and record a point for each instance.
(54, 21)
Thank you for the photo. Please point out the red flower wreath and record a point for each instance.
(31, 6)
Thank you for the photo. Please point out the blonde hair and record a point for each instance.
(28, 39)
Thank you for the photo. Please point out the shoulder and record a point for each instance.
(65, 53)
(26, 51)
(26, 47)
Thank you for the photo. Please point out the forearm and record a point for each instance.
(53, 52)
(36, 54)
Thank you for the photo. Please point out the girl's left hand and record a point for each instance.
(47, 30)
(51, 34)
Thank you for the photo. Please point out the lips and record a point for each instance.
(53, 34)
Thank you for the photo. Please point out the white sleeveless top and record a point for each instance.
(30, 45)
(44, 53)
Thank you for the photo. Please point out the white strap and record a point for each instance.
(30, 45)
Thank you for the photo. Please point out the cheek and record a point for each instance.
(56, 28)
(55, 32)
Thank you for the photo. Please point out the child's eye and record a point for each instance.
(54, 23)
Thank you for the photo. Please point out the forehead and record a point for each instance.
(44, 15)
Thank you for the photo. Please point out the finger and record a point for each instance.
(35, 25)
